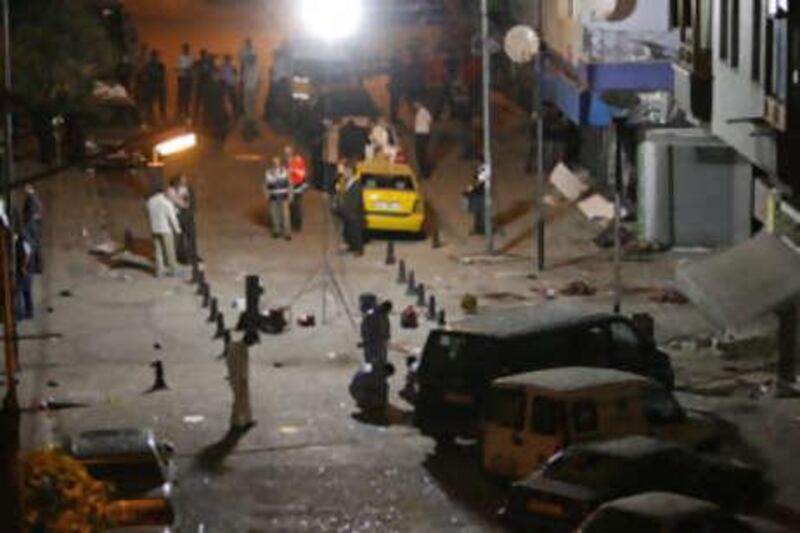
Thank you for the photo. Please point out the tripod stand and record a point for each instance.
(326, 275)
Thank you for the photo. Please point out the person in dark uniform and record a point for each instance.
(23, 255)
(216, 113)
(32, 225)
(353, 141)
(155, 88)
(203, 73)
(475, 196)
(353, 214)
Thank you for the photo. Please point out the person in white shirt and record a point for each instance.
(164, 226)
(381, 142)
(422, 137)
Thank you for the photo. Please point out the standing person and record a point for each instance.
(164, 226)
(181, 204)
(384, 333)
(297, 176)
(23, 257)
(155, 88)
(185, 67)
(203, 70)
(475, 196)
(251, 83)
(215, 115)
(32, 225)
(370, 335)
(186, 218)
(279, 193)
(230, 83)
(352, 210)
(422, 138)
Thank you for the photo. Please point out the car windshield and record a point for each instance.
(591, 470)
(393, 182)
(130, 478)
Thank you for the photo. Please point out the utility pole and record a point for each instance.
(10, 482)
(487, 125)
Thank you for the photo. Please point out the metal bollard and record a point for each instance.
(195, 272)
(226, 340)
(411, 289)
(201, 280)
(159, 381)
(390, 257)
(206, 296)
(220, 333)
(431, 308)
(214, 310)
(421, 295)
(436, 241)
(250, 319)
(441, 320)
(401, 272)
(129, 240)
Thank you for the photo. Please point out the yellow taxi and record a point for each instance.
(393, 199)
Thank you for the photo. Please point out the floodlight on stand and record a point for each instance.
(331, 20)
(176, 144)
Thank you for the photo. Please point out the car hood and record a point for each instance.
(538, 484)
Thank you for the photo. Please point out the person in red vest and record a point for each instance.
(297, 176)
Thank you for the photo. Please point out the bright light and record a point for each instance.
(176, 144)
(331, 19)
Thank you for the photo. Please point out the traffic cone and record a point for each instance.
(226, 340)
(441, 320)
(214, 312)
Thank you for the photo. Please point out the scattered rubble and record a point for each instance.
(669, 295)
(578, 288)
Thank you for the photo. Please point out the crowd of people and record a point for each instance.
(212, 91)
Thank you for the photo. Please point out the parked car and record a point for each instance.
(393, 198)
(529, 417)
(662, 512)
(460, 361)
(139, 469)
(578, 479)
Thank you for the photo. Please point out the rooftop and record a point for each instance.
(527, 320)
(568, 379)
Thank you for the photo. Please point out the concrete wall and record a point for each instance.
(737, 96)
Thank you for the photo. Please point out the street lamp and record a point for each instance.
(331, 21)
(169, 146)
(174, 145)
(522, 45)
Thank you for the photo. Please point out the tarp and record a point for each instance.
(743, 283)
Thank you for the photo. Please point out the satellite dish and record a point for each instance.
(522, 44)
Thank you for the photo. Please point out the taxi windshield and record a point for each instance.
(393, 182)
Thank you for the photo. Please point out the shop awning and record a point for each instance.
(743, 283)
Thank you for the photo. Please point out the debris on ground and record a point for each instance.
(157, 346)
(578, 288)
(107, 248)
(504, 296)
(669, 295)
(66, 293)
(469, 304)
(307, 321)
(193, 419)
(52, 384)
